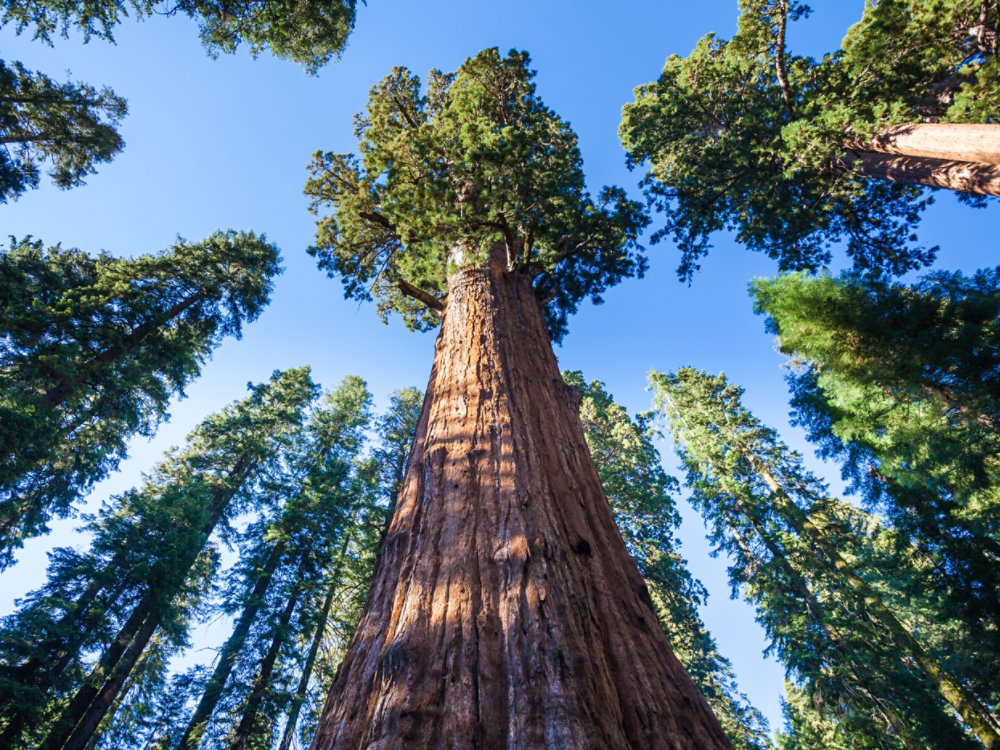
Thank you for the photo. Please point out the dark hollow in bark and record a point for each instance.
(505, 610)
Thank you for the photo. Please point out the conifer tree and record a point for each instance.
(93, 349)
(639, 491)
(75, 126)
(309, 32)
(71, 126)
(796, 154)
(790, 541)
(287, 556)
(503, 589)
(901, 383)
(349, 573)
(148, 556)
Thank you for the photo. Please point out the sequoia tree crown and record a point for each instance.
(451, 170)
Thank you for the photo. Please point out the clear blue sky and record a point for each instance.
(224, 144)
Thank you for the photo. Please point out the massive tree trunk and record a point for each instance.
(942, 140)
(505, 610)
(962, 157)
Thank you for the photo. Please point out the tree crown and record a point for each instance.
(470, 165)
(310, 32)
(744, 135)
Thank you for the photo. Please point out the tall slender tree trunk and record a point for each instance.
(505, 610)
(302, 688)
(962, 157)
(241, 735)
(105, 698)
(76, 724)
(39, 674)
(227, 657)
(965, 704)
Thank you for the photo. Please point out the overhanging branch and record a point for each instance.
(419, 294)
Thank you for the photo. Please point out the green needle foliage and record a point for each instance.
(296, 592)
(73, 126)
(640, 495)
(309, 32)
(902, 384)
(743, 135)
(68, 126)
(453, 171)
(288, 555)
(148, 567)
(92, 349)
(831, 601)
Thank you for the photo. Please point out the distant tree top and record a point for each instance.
(310, 32)
(469, 165)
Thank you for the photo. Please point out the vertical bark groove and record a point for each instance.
(505, 611)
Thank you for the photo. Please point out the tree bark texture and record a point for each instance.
(505, 610)
(978, 178)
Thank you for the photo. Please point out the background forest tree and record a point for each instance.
(217, 180)
(797, 155)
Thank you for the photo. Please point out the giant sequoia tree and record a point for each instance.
(94, 348)
(504, 609)
(796, 154)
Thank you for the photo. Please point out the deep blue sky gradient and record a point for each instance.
(224, 144)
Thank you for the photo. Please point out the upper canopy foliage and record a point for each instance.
(309, 32)
(448, 172)
(745, 136)
(69, 126)
(92, 349)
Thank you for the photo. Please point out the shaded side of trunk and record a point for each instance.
(962, 176)
(227, 658)
(505, 610)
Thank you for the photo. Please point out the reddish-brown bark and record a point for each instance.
(963, 176)
(505, 610)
